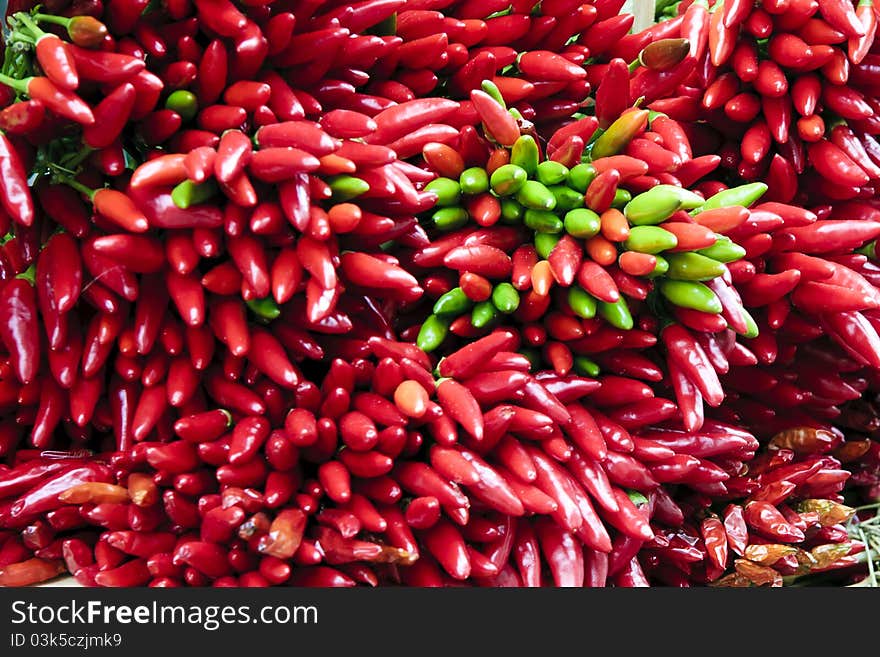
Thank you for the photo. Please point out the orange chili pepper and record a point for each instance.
(615, 227)
(601, 250)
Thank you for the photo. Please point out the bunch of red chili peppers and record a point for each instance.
(426, 292)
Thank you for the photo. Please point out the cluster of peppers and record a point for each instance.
(301, 301)
(788, 88)
(590, 234)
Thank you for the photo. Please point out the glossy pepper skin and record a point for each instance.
(19, 327)
(15, 193)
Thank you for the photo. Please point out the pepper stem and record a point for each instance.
(19, 86)
(78, 186)
(29, 275)
(634, 64)
(29, 24)
(55, 20)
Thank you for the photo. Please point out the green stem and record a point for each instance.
(29, 275)
(78, 186)
(634, 64)
(74, 162)
(30, 25)
(19, 86)
(21, 37)
(55, 20)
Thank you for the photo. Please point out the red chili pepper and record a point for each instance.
(695, 28)
(605, 35)
(845, 139)
(833, 163)
(60, 261)
(722, 38)
(767, 520)
(233, 155)
(855, 334)
(221, 16)
(458, 401)
(56, 62)
(19, 328)
(841, 15)
(212, 74)
(551, 482)
(629, 519)
(836, 69)
(399, 120)
(444, 542)
(688, 355)
(23, 117)
(249, 256)
(823, 236)
(61, 101)
(562, 554)
(846, 102)
(14, 192)
(600, 193)
(421, 479)
(858, 47)
(45, 495)
(498, 121)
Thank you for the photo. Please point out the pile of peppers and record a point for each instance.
(432, 293)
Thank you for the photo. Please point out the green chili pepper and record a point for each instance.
(585, 366)
(345, 187)
(580, 177)
(184, 103)
(617, 314)
(752, 330)
(507, 179)
(545, 243)
(566, 198)
(524, 154)
(619, 134)
(582, 303)
(265, 308)
(448, 191)
(660, 268)
(693, 267)
(511, 211)
(474, 181)
(621, 198)
(483, 314)
(542, 222)
(688, 200)
(650, 239)
(724, 250)
(492, 89)
(433, 333)
(651, 207)
(744, 195)
(691, 294)
(552, 173)
(454, 302)
(450, 218)
(189, 193)
(536, 196)
(582, 223)
(506, 298)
